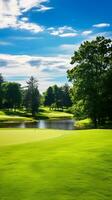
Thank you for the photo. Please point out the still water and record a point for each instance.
(64, 124)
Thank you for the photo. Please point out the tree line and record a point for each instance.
(14, 96)
(58, 97)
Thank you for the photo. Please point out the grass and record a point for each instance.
(55, 165)
(84, 124)
(15, 116)
(20, 116)
(46, 113)
(8, 118)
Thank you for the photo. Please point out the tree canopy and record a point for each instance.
(58, 97)
(1, 90)
(11, 94)
(92, 79)
(32, 97)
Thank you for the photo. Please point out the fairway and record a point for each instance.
(38, 164)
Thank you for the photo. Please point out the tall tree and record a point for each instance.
(58, 96)
(32, 96)
(11, 94)
(49, 97)
(93, 63)
(66, 99)
(1, 91)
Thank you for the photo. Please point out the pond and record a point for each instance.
(64, 124)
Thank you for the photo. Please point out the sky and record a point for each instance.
(39, 37)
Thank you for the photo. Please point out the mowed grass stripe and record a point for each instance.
(18, 136)
(75, 166)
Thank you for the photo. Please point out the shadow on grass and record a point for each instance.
(88, 124)
(20, 113)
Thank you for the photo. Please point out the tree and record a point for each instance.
(49, 97)
(93, 64)
(58, 97)
(66, 99)
(1, 91)
(11, 94)
(32, 96)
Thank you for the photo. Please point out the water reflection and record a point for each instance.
(65, 124)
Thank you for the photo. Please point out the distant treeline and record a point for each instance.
(58, 97)
(14, 96)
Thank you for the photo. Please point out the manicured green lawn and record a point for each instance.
(19, 116)
(13, 117)
(55, 165)
(52, 114)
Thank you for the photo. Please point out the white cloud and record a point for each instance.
(11, 12)
(24, 19)
(102, 25)
(93, 36)
(64, 31)
(26, 5)
(43, 8)
(68, 48)
(29, 26)
(68, 35)
(45, 69)
(85, 33)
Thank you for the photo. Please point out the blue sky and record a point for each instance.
(38, 37)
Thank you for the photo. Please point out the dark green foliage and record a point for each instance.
(58, 97)
(32, 97)
(92, 79)
(67, 102)
(49, 97)
(1, 91)
(11, 95)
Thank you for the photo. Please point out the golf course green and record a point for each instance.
(38, 164)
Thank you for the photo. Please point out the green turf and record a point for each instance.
(14, 116)
(19, 115)
(6, 118)
(85, 123)
(45, 112)
(59, 165)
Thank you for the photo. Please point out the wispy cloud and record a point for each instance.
(11, 12)
(43, 8)
(85, 33)
(68, 48)
(43, 68)
(64, 31)
(101, 25)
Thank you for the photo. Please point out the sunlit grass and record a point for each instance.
(55, 165)
(85, 123)
(50, 114)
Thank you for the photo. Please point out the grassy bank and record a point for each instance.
(19, 115)
(14, 117)
(46, 113)
(84, 124)
(55, 165)
(88, 124)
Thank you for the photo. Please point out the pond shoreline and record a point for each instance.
(64, 124)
